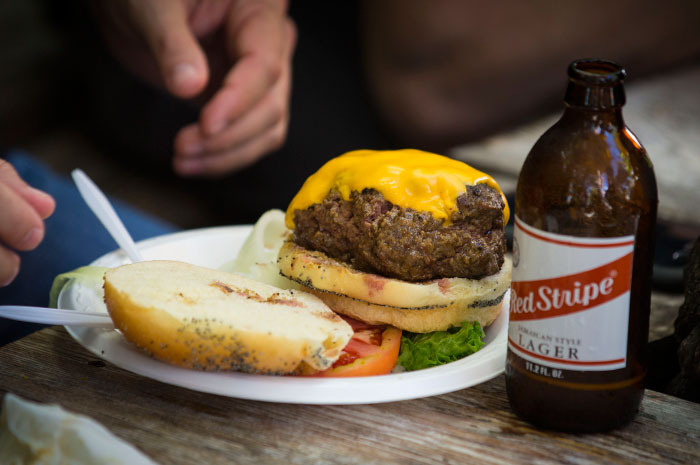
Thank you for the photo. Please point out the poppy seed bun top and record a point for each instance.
(196, 317)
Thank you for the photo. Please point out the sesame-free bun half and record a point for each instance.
(418, 307)
(206, 319)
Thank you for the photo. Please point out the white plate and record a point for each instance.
(213, 247)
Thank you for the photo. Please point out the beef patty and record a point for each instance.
(373, 235)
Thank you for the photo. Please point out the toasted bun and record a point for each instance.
(419, 307)
(200, 318)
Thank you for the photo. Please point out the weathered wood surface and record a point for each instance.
(178, 426)
(664, 112)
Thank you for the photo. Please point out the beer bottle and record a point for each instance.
(585, 210)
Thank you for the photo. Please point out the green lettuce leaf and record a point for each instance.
(427, 350)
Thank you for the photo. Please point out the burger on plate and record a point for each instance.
(404, 238)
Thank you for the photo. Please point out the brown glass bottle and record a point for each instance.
(587, 176)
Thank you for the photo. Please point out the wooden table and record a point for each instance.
(174, 425)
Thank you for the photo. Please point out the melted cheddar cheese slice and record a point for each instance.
(407, 178)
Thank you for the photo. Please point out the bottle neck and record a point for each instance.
(592, 118)
(594, 97)
(593, 103)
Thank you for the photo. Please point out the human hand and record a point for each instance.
(22, 209)
(240, 49)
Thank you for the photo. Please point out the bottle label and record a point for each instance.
(569, 302)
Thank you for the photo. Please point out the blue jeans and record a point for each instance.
(74, 237)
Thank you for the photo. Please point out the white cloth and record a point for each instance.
(39, 434)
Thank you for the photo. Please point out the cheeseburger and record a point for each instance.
(405, 238)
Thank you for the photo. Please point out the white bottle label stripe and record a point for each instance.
(569, 304)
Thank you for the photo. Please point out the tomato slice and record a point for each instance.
(373, 350)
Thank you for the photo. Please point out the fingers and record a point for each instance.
(9, 266)
(21, 228)
(257, 121)
(268, 121)
(249, 116)
(182, 64)
(42, 202)
(260, 38)
(22, 209)
(232, 158)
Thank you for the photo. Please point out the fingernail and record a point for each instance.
(184, 74)
(31, 239)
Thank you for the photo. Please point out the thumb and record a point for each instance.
(180, 59)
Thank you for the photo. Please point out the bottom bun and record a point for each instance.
(420, 307)
(414, 320)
